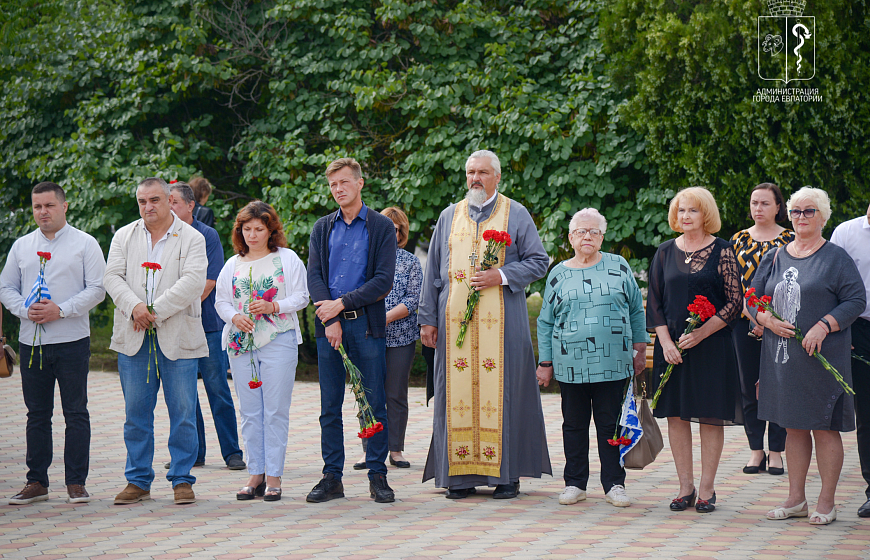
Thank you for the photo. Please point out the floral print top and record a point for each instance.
(406, 289)
(262, 279)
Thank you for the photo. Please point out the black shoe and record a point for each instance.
(168, 464)
(359, 466)
(380, 490)
(506, 491)
(235, 463)
(864, 511)
(458, 494)
(400, 464)
(776, 471)
(329, 488)
(706, 506)
(680, 504)
(755, 469)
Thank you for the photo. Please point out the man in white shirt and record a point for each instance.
(854, 237)
(171, 350)
(61, 350)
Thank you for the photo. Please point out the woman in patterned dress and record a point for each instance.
(704, 385)
(590, 322)
(259, 292)
(402, 335)
(766, 208)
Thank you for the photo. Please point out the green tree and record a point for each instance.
(689, 72)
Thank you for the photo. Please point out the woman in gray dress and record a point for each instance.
(816, 287)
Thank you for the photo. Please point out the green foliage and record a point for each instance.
(689, 72)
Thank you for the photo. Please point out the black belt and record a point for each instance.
(353, 314)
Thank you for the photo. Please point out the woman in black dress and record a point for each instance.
(703, 387)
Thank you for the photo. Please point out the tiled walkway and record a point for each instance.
(421, 523)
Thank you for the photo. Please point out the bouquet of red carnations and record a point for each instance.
(495, 240)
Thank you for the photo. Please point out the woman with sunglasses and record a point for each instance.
(814, 286)
(766, 208)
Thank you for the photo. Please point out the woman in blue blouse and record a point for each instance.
(402, 335)
(591, 324)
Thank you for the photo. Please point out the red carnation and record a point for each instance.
(613, 442)
(172, 182)
(489, 234)
(44, 255)
(506, 239)
(151, 266)
(378, 427)
(766, 299)
(255, 384)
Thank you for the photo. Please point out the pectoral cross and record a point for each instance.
(473, 258)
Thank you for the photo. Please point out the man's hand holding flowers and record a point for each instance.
(142, 318)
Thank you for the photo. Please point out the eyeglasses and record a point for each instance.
(582, 232)
(808, 213)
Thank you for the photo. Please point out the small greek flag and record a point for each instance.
(38, 286)
(630, 421)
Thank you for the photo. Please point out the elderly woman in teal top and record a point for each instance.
(592, 337)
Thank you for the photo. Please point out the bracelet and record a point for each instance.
(827, 324)
(546, 364)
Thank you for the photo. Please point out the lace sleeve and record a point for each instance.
(730, 274)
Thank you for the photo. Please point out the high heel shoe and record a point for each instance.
(756, 469)
(706, 506)
(250, 492)
(680, 504)
(776, 471)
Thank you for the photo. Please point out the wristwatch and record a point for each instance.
(60, 311)
(546, 364)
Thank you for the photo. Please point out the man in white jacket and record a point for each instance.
(158, 335)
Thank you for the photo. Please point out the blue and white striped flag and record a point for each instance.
(37, 286)
(630, 420)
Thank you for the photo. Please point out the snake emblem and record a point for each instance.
(802, 36)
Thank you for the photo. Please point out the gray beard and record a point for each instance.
(476, 197)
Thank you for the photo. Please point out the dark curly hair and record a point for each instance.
(258, 210)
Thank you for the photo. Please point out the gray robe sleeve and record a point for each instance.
(525, 260)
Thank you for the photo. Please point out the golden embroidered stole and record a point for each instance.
(475, 374)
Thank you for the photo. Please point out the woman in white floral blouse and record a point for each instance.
(402, 335)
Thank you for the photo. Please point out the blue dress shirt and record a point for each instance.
(348, 254)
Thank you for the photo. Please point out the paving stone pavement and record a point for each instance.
(421, 523)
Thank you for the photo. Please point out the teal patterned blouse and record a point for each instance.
(589, 321)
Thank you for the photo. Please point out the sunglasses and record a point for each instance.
(808, 213)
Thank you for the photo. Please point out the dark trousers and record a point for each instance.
(748, 363)
(580, 402)
(66, 363)
(368, 354)
(399, 361)
(861, 384)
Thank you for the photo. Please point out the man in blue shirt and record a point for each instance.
(352, 260)
(214, 366)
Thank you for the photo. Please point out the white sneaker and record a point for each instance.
(617, 496)
(571, 495)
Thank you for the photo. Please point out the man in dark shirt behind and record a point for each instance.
(352, 260)
(214, 366)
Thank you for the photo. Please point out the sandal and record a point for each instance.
(250, 492)
(782, 512)
(823, 518)
(272, 494)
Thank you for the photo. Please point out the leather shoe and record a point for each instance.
(359, 466)
(864, 511)
(77, 494)
(32, 492)
(132, 494)
(459, 493)
(380, 490)
(506, 491)
(329, 488)
(400, 464)
(234, 463)
(184, 493)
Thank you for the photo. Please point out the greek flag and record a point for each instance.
(35, 291)
(630, 421)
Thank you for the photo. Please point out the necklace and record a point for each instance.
(688, 256)
(813, 248)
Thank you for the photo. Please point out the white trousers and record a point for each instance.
(265, 411)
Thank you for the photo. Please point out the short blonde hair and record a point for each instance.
(588, 214)
(817, 197)
(400, 219)
(341, 163)
(706, 204)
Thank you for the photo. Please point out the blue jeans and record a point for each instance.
(66, 363)
(214, 377)
(369, 355)
(178, 378)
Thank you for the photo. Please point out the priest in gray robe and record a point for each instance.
(522, 449)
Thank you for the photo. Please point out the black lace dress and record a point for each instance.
(705, 387)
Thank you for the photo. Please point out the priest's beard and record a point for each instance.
(476, 196)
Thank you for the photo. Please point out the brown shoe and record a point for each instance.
(184, 493)
(32, 492)
(77, 494)
(132, 494)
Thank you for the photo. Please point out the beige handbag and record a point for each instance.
(650, 445)
(8, 357)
